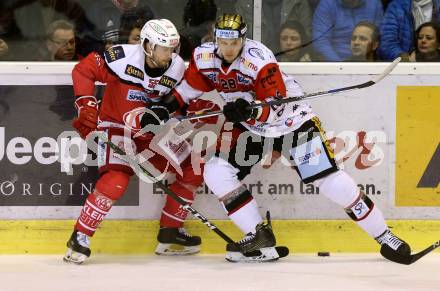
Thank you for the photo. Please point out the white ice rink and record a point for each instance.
(347, 272)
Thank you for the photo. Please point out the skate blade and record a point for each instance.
(176, 250)
(74, 257)
(269, 254)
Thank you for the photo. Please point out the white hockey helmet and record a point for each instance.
(160, 32)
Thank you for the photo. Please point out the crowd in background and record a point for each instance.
(296, 30)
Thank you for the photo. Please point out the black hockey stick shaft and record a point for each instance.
(369, 83)
(162, 186)
(414, 258)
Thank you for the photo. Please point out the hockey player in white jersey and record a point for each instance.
(136, 76)
(244, 72)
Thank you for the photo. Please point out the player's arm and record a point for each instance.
(193, 85)
(269, 84)
(84, 76)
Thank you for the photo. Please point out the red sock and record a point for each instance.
(92, 213)
(173, 215)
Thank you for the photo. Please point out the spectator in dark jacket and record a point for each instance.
(401, 19)
(427, 43)
(199, 17)
(107, 17)
(334, 21)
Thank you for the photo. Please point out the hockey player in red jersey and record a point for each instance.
(245, 72)
(136, 76)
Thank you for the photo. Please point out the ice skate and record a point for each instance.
(393, 248)
(176, 241)
(78, 248)
(256, 247)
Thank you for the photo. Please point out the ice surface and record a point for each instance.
(211, 272)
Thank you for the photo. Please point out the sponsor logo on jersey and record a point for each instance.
(243, 80)
(114, 53)
(212, 76)
(267, 80)
(134, 72)
(248, 64)
(204, 56)
(135, 95)
(256, 53)
(288, 122)
(168, 82)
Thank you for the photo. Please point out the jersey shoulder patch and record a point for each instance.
(114, 53)
(258, 53)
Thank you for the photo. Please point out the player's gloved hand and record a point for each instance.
(155, 115)
(87, 120)
(238, 111)
(200, 106)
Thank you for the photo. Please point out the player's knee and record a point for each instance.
(220, 177)
(113, 184)
(338, 187)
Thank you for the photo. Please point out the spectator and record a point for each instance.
(131, 31)
(108, 16)
(60, 42)
(274, 13)
(199, 17)
(427, 43)
(293, 42)
(334, 21)
(401, 20)
(4, 48)
(364, 42)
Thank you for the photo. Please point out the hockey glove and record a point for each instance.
(155, 116)
(87, 120)
(239, 111)
(200, 106)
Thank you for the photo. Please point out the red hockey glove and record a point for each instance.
(201, 106)
(87, 120)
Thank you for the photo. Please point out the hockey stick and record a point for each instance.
(373, 81)
(415, 257)
(132, 161)
(281, 250)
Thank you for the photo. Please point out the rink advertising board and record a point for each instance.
(42, 160)
(418, 146)
(367, 128)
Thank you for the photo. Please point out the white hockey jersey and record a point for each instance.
(254, 75)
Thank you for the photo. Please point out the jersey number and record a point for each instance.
(228, 84)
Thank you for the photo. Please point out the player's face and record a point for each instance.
(289, 39)
(361, 41)
(162, 55)
(427, 41)
(229, 48)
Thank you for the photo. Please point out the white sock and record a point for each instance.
(247, 217)
(374, 224)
